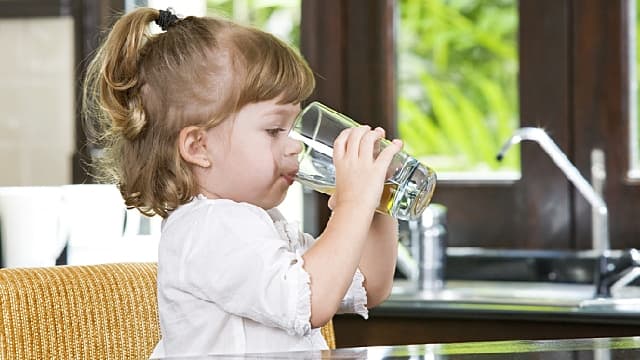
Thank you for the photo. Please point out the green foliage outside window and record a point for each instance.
(457, 74)
(279, 17)
(458, 65)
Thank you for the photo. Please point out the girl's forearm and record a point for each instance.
(333, 260)
(378, 260)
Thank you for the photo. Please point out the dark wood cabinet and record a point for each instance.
(352, 330)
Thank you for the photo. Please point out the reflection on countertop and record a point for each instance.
(627, 348)
(538, 300)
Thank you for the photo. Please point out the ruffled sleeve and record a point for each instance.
(355, 300)
(302, 319)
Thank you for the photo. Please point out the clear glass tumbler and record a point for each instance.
(409, 185)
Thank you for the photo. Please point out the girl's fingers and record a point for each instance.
(340, 143)
(385, 157)
(358, 142)
(332, 202)
(368, 143)
(355, 138)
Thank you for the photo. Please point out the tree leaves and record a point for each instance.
(458, 81)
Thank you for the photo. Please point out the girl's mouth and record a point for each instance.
(290, 177)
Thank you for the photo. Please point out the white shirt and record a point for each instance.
(231, 280)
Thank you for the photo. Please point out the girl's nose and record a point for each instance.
(294, 147)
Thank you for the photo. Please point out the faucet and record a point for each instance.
(600, 227)
(614, 275)
(611, 274)
(423, 260)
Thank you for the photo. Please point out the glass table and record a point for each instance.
(625, 348)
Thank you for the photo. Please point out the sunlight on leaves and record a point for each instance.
(457, 80)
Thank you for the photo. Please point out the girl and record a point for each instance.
(194, 128)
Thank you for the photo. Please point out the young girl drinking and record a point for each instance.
(194, 125)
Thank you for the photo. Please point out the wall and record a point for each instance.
(36, 101)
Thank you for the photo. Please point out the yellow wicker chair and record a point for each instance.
(104, 311)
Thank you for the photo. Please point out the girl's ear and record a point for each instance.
(192, 143)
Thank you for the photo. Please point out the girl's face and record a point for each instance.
(253, 159)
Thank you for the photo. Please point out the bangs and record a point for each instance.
(271, 69)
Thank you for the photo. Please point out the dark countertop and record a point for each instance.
(490, 306)
(517, 284)
(627, 348)
(509, 312)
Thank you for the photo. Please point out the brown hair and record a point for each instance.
(142, 89)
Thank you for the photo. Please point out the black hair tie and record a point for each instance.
(166, 19)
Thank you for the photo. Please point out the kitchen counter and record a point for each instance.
(491, 310)
(501, 295)
(506, 300)
(626, 348)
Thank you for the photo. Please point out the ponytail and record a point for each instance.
(139, 90)
(113, 76)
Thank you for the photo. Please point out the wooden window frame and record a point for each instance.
(572, 82)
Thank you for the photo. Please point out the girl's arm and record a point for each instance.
(378, 260)
(333, 259)
(335, 256)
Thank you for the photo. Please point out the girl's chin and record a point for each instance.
(271, 202)
(280, 199)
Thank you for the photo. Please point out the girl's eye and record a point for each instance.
(275, 131)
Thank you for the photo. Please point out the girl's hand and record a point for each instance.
(360, 176)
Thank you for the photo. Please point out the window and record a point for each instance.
(278, 17)
(457, 84)
(573, 81)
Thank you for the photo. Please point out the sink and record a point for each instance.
(530, 296)
(626, 299)
(500, 292)
(535, 280)
(521, 265)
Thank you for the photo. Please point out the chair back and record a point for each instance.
(79, 312)
(83, 312)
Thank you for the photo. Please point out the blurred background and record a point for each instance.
(453, 78)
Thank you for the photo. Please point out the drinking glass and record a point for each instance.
(409, 184)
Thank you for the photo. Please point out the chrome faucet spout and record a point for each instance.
(600, 229)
